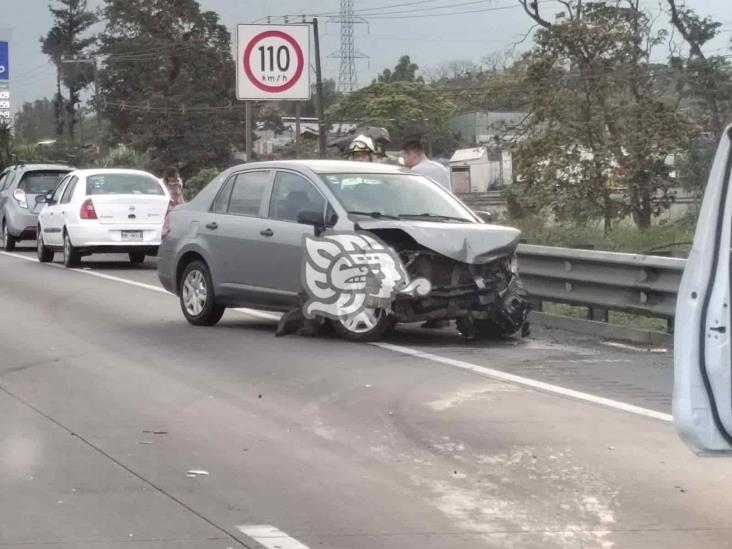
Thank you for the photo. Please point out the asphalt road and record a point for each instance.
(125, 427)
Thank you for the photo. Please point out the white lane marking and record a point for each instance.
(627, 347)
(270, 537)
(250, 312)
(259, 314)
(480, 370)
(94, 274)
(526, 382)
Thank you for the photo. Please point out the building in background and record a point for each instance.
(483, 128)
(489, 163)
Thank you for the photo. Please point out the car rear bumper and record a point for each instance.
(98, 236)
(21, 223)
(166, 269)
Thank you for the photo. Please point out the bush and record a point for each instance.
(124, 157)
(194, 185)
(675, 237)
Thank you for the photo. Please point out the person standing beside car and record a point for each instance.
(174, 184)
(416, 159)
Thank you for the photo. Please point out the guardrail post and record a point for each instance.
(599, 314)
(670, 325)
(536, 305)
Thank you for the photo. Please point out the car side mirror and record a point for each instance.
(316, 219)
(486, 217)
(47, 198)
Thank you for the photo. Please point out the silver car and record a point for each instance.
(239, 243)
(19, 187)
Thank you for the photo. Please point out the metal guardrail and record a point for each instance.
(602, 281)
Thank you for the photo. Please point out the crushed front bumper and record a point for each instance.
(470, 293)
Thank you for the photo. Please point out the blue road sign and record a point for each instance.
(4, 61)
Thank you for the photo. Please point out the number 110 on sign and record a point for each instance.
(268, 60)
(273, 62)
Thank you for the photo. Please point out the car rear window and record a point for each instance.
(40, 182)
(123, 183)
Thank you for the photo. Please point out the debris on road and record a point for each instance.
(194, 473)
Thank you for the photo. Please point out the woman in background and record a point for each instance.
(174, 183)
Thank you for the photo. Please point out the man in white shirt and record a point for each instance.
(416, 159)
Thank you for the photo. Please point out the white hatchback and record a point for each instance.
(103, 211)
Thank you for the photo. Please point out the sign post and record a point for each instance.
(272, 64)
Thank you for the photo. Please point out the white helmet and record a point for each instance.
(361, 144)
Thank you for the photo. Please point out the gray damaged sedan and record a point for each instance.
(251, 239)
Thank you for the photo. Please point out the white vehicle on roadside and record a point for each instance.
(102, 211)
(702, 354)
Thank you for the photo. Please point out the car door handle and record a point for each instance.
(213, 226)
(267, 232)
(719, 329)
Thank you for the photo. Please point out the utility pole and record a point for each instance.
(322, 129)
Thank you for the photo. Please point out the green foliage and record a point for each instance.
(706, 80)
(68, 37)
(404, 108)
(60, 151)
(6, 138)
(674, 237)
(35, 121)
(124, 157)
(167, 81)
(202, 178)
(404, 71)
(600, 131)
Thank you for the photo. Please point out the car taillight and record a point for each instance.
(87, 210)
(166, 226)
(19, 195)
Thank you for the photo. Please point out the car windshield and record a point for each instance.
(123, 183)
(40, 182)
(395, 196)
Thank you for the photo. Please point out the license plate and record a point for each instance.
(131, 236)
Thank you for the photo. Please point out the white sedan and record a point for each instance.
(103, 211)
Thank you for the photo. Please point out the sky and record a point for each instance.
(430, 31)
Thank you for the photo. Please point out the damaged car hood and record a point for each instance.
(472, 243)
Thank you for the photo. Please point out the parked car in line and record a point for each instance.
(19, 187)
(239, 243)
(102, 211)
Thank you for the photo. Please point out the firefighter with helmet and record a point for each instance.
(362, 149)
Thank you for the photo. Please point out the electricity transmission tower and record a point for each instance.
(347, 75)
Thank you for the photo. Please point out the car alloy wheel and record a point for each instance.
(363, 322)
(195, 293)
(197, 299)
(367, 325)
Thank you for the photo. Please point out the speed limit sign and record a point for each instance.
(273, 62)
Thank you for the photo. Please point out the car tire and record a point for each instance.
(197, 298)
(45, 254)
(72, 258)
(8, 240)
(136, 258)
(368, 325)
